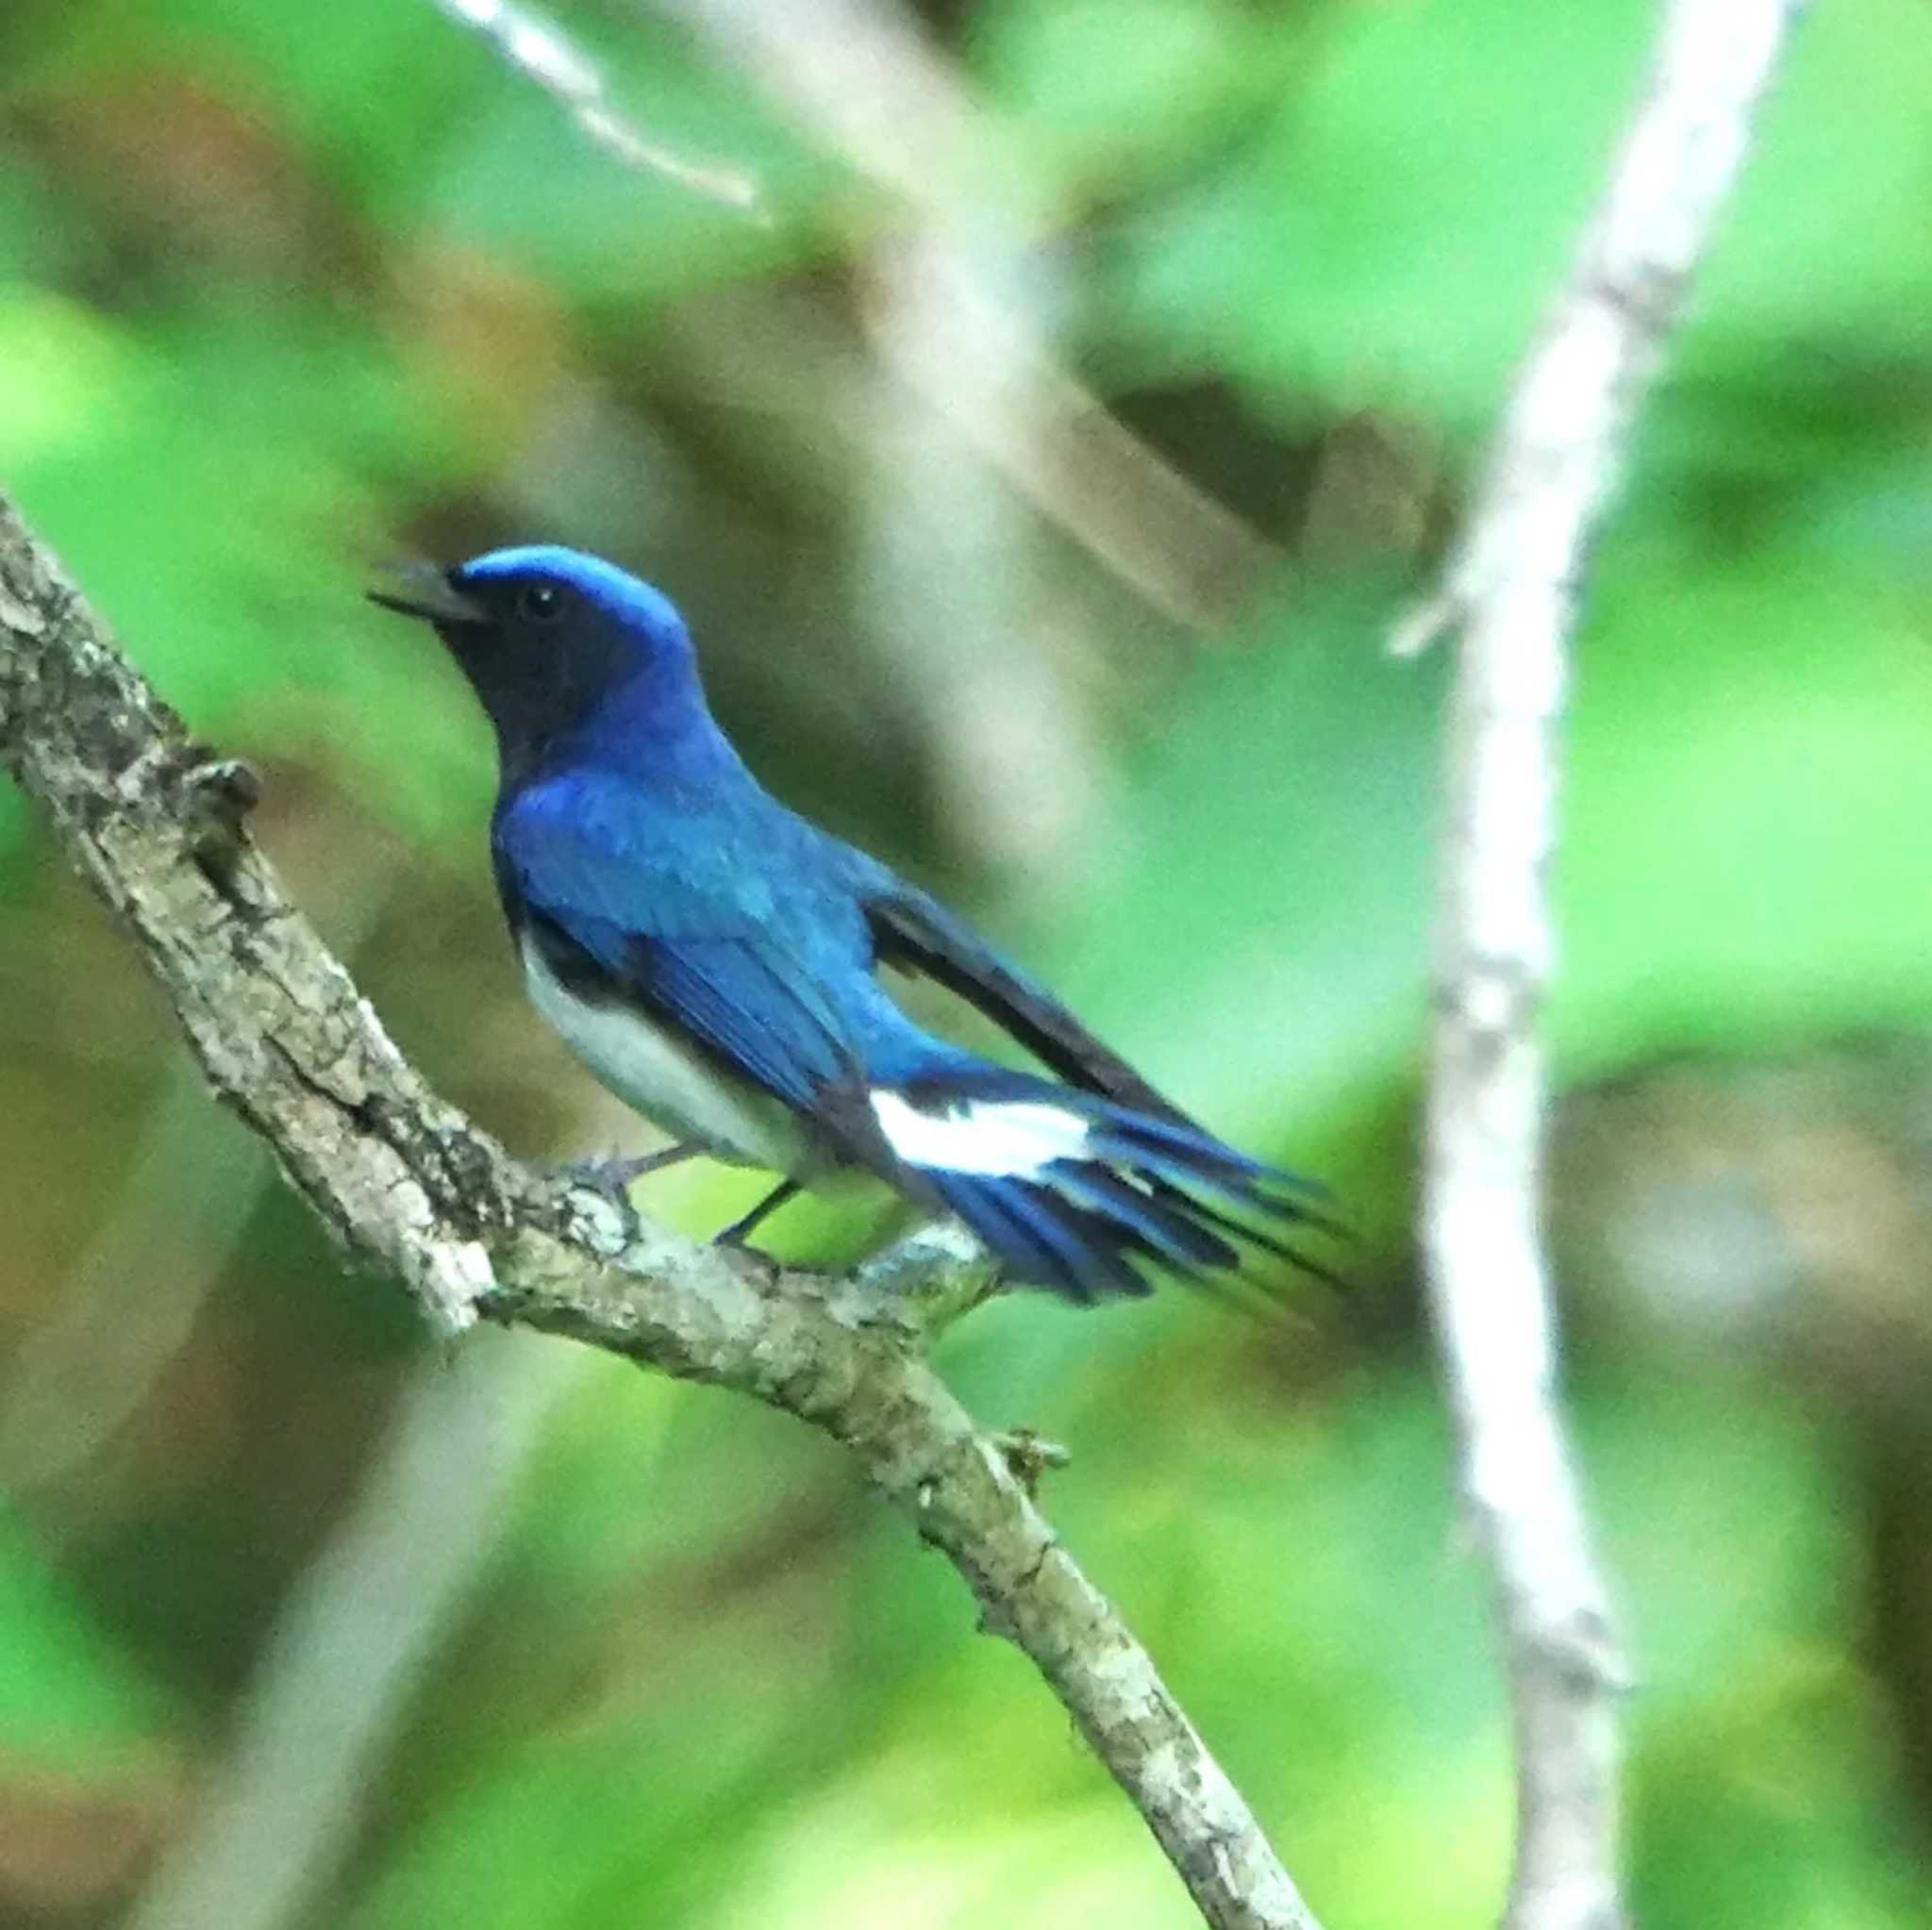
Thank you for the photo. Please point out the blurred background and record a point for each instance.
(1041, 409)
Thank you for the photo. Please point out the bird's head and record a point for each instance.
(547, 636)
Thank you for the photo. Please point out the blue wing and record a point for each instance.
(702, 929)
(914, 931)
(746, 1007)
(745, 931)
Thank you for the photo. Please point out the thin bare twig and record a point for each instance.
(538, 49)
(1009, 740)
(410, 1186)
(866, 81)
(1512, 590)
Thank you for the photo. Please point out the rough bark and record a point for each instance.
(413, 1189)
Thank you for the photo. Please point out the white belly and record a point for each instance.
(670, 1083)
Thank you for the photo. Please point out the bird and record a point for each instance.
(714, 958)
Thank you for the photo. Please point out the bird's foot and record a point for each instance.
(737, 1236)
(613, 1175)
(612, 1179)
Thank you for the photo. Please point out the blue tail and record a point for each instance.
(1075, 1193)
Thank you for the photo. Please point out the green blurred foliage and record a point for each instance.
(284, 291)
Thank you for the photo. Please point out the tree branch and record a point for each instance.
(1512, 590)
(865, 78)
(537, 50)
(411, 1187)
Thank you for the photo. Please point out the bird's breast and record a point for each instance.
(665, 1077)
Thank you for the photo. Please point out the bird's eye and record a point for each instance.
(539, 603)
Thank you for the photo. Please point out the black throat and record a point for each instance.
(535, 696)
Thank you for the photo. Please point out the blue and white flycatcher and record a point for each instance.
(713, 958)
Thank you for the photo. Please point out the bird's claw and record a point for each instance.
(611, 1180)
(609, 1176)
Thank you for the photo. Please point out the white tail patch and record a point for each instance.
(1008, 1138)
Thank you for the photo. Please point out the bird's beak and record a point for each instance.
(421, 589)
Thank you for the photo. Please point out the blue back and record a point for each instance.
(629, 831)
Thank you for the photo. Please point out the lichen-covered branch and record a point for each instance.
(1512, 590)
(411, 1187)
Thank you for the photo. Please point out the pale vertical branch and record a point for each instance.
(362, 1624)
(1512, 590)
(1011, 741)
(179, 1221)
(173, 1226)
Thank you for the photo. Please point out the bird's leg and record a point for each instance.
(615, 1175)
(657, 1161)
(610, 1180)
(739, 1230)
